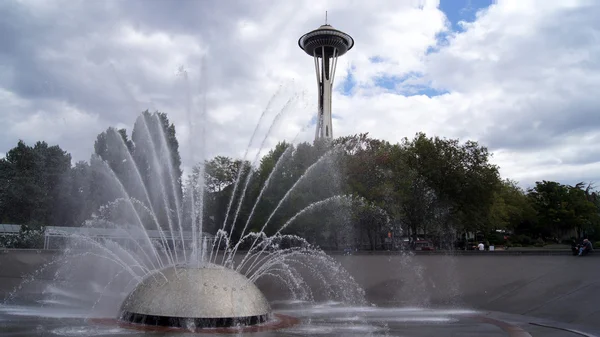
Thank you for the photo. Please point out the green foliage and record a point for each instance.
(29, 237)
(563, 208)
(156, 154)
(425, 186)
(30, 178)
(77, 195)
(459, 175)
(540, 242)
(495, 238)
(522, 240)
(511, 208)
(154, 132)
(221, 172)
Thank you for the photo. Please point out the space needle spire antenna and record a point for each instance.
(325, 44)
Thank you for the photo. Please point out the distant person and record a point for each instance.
(575, 247)
(586, 248)
(480, 246)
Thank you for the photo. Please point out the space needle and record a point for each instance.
(325, 44)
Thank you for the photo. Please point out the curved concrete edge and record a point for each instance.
(515, 324)
(511, 329)
(558, 327)
(497, 253)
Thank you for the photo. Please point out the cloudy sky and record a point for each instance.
(521, 77)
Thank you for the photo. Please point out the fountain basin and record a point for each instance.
(208, 296)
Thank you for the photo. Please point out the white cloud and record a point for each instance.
(529, 73)
(522, 78)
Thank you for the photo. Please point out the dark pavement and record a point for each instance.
(541, 295)
(563, 288)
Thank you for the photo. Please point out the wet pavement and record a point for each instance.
(325, 319)
(483, 296)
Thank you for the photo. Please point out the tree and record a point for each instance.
(512, 209)
(114, 147)
(221, 172)
(30, 179)
(371, 171)
(156, 145)
(562, 208)
(585, 218)
(220, 175)
(286, 182)
(77, 194)
(111, 169)
(6, 176)
(459, 174)
(156, 155)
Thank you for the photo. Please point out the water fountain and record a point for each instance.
(160, 271)
(150, 277)
(165, 279)
(209, 296)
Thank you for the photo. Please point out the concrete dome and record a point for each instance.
(209, 296)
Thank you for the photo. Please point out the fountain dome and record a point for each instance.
(208, 296)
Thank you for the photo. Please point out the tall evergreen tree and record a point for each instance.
(31, 179)
(156, 154)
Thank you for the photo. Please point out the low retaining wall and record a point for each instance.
(529, 252)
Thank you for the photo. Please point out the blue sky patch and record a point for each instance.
(412, 84)
(462, 10)
(408, 85)
(387, 82)
(457, 11)
(348, 83)
(376, 59)
(423, 90)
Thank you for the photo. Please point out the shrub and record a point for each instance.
(540, 242)
(495, 238)
(30, 236)
(523, 239)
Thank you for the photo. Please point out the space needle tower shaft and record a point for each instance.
(325, 44)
